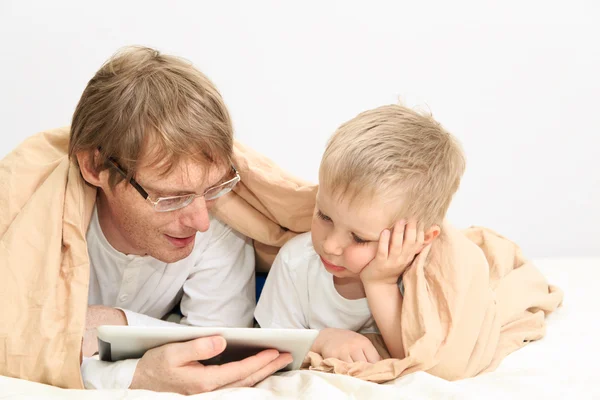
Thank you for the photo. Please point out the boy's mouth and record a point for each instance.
(330, 266)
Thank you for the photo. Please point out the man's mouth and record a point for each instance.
(180, 241)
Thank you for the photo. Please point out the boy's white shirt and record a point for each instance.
(299, 293)
(215, 286)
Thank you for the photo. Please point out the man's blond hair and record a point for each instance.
(399, 155)
(143, 101)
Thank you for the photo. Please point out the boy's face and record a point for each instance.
(345, 236)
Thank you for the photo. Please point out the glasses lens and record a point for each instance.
(218, 191)
(173, 203)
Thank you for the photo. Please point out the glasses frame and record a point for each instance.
(190, 197)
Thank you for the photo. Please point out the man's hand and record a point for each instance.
(394, 254)
(97, 316)
(345, 345)
(175, 367)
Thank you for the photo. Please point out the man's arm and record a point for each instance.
(98, 374)
(156, 370)
(98, 315)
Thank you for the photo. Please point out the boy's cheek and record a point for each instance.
(358, 259)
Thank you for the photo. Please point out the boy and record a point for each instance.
(386, 181)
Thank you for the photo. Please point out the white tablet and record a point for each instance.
(122, 342)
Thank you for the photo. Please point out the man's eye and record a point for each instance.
(323, 216)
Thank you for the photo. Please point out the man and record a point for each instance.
(153, 142)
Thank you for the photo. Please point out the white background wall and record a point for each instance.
(518, 82)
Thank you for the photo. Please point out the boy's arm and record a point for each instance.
(385, 302)
(395, 252)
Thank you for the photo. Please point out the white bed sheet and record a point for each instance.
(564, 364)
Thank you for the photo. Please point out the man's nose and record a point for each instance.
(196, 216)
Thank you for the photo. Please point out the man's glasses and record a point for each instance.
(172, 203)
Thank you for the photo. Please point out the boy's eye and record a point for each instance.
(323, 216)
(359, 240)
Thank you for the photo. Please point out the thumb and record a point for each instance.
(197, 349)
(205, 348)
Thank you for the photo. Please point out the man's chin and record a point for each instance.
(172, 255)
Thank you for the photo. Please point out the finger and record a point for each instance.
(384, 243)
(358, 355)
(178, 354)
(425, 252)
(342, 355)
(239, 370)
(347, 358)
(371, 354)
(420, 238)
(397, 240)
(410, 234)
(263, 373)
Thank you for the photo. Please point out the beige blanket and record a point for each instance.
(460, 317)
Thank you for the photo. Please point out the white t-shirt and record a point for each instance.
(214, 286)
(299, 293)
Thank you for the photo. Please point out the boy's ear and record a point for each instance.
(431, 234)
(87, 166)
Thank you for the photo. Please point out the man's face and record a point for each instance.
(132, 226)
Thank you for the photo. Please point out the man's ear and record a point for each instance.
(431, 234)
(87, 166)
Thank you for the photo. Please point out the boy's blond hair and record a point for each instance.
(397, 154)
(142, 101)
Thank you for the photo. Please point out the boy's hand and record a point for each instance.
(345, 345)
(394, 254)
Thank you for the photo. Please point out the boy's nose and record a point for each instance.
(333, 246)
